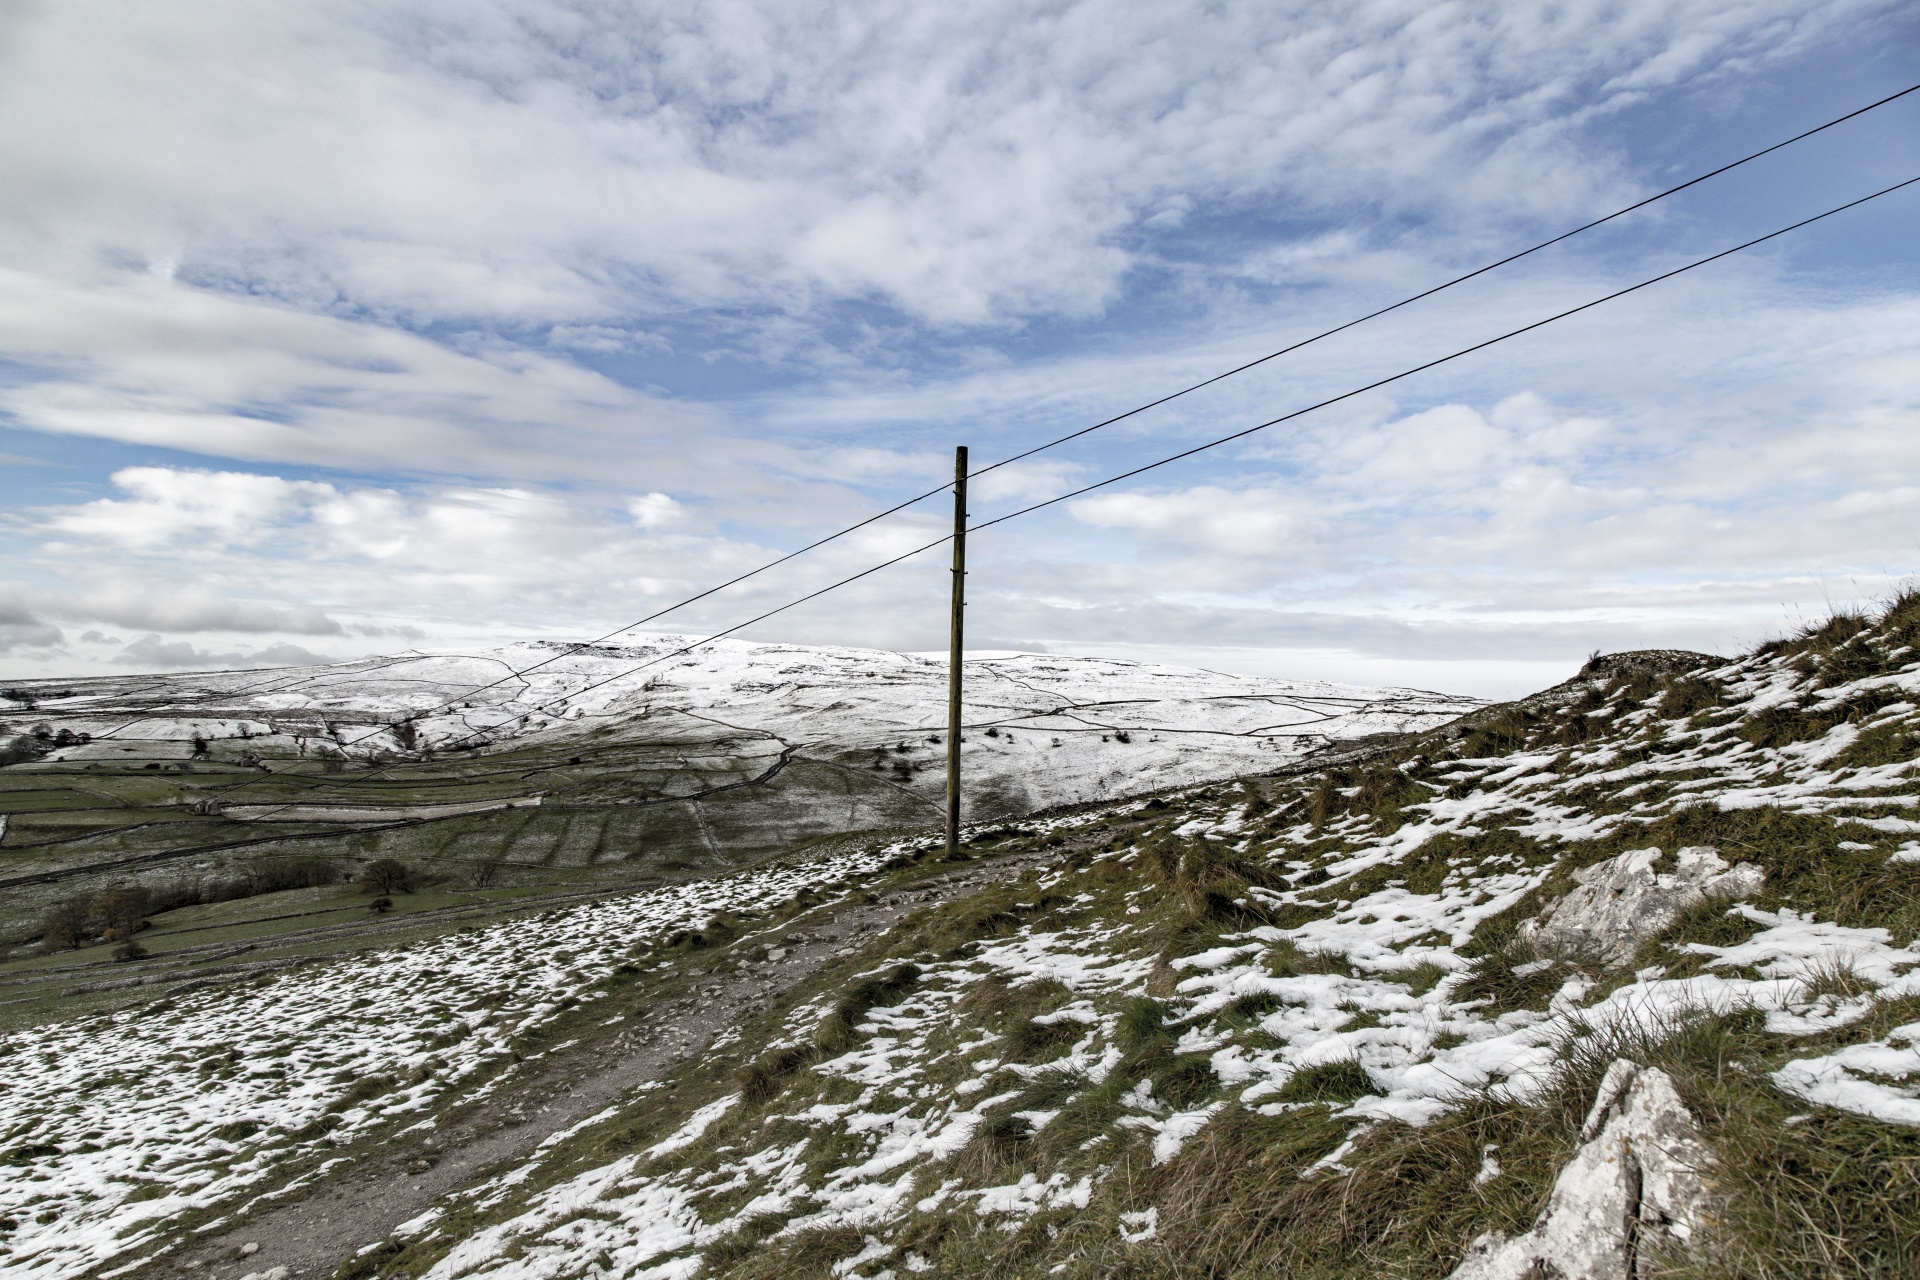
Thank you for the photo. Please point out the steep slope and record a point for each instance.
(1328, 1022)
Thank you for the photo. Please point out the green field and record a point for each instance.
(212, 835)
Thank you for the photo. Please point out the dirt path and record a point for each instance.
(314, 1232)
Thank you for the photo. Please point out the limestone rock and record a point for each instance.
(1624, 900)
(1633, 1196)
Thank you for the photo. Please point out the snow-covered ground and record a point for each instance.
(126, 1121)
(1422, 1050)
(118, 1125)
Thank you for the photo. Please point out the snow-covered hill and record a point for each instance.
(1042, 729)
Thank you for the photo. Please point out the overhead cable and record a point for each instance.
(1188, 390)
(1212, 444)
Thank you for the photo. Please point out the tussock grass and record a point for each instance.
(810, 1253)
(1030, 1041)
(1340, 1081)
(1287, 961)
(839, 1029)
(1420, 978)
(763, 1079)
(1834, 976)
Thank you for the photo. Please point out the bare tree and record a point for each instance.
(64, 927)
(387, 875)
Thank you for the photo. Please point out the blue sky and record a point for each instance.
(339, 329)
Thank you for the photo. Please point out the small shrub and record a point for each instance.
(273, 875)
(120, 913)
(381, 905)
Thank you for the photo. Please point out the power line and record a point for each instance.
(1201, 448)
(1464, 351)
(1440, 288)
(1273, 422)
(1153, 404)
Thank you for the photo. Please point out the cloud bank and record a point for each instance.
(428, 323)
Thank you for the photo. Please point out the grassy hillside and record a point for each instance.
(1291, 1027)
(1296, 1024)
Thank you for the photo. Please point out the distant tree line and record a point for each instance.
(29, 699)
(36, 743)
(120, 913)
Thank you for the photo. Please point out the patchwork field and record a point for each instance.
(535, 770)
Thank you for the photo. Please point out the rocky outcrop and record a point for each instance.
(1635, 1195)
(1619, 903)
(1659, 662)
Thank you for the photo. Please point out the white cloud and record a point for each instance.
(156, 362)
(150, 652)
(186, 608)
(168, 505)
(653, 510)
(537, 161)
(21, 628)
(1022, 483)
(220, 550)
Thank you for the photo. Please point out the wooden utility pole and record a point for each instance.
(953, 648)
